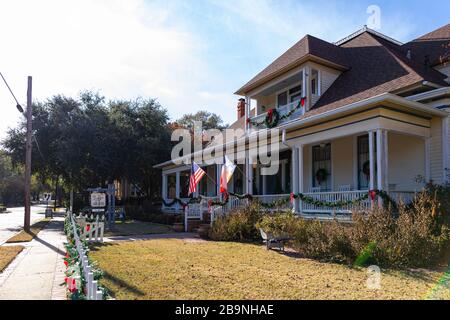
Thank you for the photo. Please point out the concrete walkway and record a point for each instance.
(187, 236)
(37, 273)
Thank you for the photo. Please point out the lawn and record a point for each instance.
(132, 228)
(177, 269)
(7, 255)
(24, 236)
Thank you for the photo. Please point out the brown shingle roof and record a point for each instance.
(307, 46)
(433, 47)
(377, 66)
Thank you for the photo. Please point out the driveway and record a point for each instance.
(12, 221)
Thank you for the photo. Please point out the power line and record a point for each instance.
(19, 107)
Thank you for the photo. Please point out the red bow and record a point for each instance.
(66, 263)
(302, 101)
(372, 194)
(292, 197)
(209, 205)
(248, 120)
(270, 114)
(88, 227)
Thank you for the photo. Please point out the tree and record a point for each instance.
(88, 141)
(209, 120)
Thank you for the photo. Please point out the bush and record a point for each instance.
(238, 225)
(151, 214)
(416, 236)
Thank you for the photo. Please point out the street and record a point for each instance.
(12, 222)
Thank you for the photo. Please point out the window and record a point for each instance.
(321, 166)
(363, 162)
(313, 86)
(282, 99)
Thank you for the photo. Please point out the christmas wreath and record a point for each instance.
(366, 169)
(272, 118)
(321, 175)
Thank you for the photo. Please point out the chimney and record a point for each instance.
(241, 108)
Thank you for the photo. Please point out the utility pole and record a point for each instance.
(28, 159)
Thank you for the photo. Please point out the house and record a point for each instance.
(374, 115)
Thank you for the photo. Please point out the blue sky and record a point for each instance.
(191, 55)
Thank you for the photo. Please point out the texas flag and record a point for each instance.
(227, 172)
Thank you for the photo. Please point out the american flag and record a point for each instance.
(196, 175)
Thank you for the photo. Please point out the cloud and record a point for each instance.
(122, 48)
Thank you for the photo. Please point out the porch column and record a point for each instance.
(164, 186)
(264, 184)
(250, 176)
(295, 171)
(371, 162)
(247, 112)
(445, 149)
(427, 160)
(177, 187)
(300, 175)
(218, 171)
(381, 159)
(177, 184)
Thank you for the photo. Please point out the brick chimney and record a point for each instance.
(241, 108)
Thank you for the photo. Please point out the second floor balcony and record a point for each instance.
(286, 112)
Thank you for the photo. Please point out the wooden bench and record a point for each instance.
(274, 242)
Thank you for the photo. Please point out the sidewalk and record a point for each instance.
(37, 273)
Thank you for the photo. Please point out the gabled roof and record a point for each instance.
(377, 66)
(308, 47)
(432, 48)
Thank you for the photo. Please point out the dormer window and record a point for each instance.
(315, 82)
(292, 94)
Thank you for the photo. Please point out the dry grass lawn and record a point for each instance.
(24, 236)
(176, 269)
(7, 255)
(132, 228)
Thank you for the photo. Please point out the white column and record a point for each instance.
(250, 176)
(445, 151)
(295, 177)
(427, 160)
(247, 113)
(164, 186)
(177, 185)
(264, 184)
(218, 172)
(371, 161)
(386, 159)
(300, 175)
(382, 159)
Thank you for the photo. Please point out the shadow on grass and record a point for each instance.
(122, 284)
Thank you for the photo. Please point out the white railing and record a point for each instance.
(269, 198)
(405, 197)
(233, 203)
(282, 110)
(92, 292)
(335, 196)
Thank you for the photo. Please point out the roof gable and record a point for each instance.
(308, 46)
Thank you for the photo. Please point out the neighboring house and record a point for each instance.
(376, 116)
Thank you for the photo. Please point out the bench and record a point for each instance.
(274, 242)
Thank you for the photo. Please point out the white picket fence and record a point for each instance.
(92, 292)
(91, 230)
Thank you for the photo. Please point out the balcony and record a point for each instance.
(282, 110)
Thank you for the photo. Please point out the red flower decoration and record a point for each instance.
(292, 197)
(66, 263)
(372, 194)
(88, 227)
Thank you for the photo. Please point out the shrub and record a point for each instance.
(238, 225)
(279, 224)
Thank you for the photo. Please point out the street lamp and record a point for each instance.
(28, 148)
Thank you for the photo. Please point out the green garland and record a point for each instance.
(387, 200)
(276, 118)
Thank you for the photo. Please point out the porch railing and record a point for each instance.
(282, 110)
(274, 197)
(335, 196)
